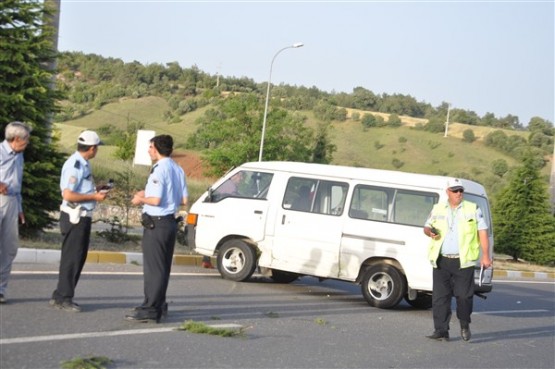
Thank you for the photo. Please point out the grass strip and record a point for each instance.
(202, 328)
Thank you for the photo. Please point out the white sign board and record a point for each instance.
(141, 147)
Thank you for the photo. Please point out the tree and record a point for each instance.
(541, 125)
(323, 149)
(523, 224)
(26, 95)
(125, 142)
(230, 134)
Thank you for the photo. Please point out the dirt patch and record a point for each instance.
(191, 163)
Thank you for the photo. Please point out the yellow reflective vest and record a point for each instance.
(469, 244)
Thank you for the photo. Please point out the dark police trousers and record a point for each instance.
(75, 245)
(450, 280)
(158, 246)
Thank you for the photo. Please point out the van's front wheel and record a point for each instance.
(383, 286)
(236, 260)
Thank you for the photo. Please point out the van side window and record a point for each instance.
(391, 205)
(315, 196)
(370, 203)
(244, 184)
(413, 207)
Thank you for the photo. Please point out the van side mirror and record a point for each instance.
(209, 198)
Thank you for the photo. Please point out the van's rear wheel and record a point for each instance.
(236, 260)
(383, 286)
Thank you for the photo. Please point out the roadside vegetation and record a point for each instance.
(203, 328)
(89, 362)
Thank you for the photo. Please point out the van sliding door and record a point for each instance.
(308, 227)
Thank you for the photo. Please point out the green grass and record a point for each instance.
(148, 110)
(202, 328)
(422, 152)
(90, 362)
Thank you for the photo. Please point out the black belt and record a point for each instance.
(162, 217)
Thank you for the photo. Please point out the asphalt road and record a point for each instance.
(306, 324)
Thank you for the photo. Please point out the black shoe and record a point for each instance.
(2, 299)
(65, 305)
(465, 333)
(164, 313)
(439, 336)
(143, 317)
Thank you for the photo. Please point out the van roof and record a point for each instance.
(375, 175)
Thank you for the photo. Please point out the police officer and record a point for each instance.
(79, 196)
(165, 192)
(458, 235)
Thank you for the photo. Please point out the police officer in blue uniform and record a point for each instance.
(164, 194)
(80, 196)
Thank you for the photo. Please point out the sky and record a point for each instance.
(483, 56)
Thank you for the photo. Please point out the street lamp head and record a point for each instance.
(298, 44)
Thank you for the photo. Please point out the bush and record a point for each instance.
(468, 136)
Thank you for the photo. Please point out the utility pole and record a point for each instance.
(218, 75)
(447, 121)
(53, 21)
(552, 181)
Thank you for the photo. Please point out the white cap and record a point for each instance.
(454, 184)
(89, 138)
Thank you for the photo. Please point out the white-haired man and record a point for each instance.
(16, 139)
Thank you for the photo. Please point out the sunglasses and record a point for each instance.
(457, 190)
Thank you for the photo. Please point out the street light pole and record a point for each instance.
(294, 46)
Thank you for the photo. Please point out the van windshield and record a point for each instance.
(243, 184)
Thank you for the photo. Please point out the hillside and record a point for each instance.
(403, 148)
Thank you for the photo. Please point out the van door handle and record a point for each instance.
(283, 219)
(258, 211)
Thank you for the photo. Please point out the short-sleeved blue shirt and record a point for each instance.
(11, 171)
(167, 182)
(77, 177)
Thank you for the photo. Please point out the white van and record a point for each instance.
(352, 224)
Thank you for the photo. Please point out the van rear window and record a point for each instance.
(391, 205)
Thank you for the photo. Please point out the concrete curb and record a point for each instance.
(25, 255)
(97, 257)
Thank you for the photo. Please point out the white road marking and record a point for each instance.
(517, 281)
(509, 311)
(59, 337)
(7, 341)
(28, 272)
